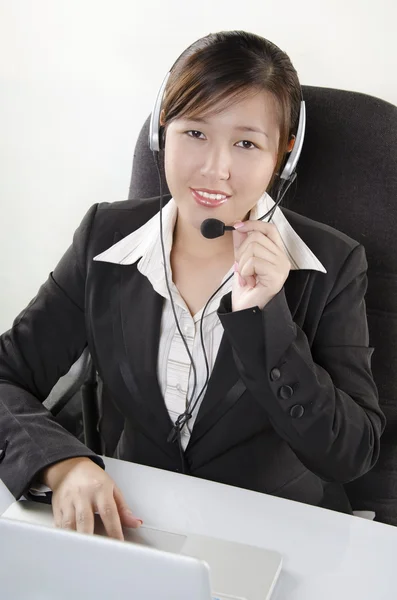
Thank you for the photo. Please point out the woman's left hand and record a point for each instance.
(261, 266)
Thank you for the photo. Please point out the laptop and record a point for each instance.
(38, 561)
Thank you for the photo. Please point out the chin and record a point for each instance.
(196, 220)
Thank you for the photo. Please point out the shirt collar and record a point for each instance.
(144, 243)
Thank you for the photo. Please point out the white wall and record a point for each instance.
(78, 77)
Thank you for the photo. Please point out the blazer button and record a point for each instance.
(285, 392)
(275, 374)
(297, 411)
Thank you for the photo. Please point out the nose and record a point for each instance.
(216, 164)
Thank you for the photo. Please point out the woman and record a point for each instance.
(290, 407)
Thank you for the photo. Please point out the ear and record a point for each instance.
(162, 130)
(291, 144)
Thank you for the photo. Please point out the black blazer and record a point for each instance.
(291, 408)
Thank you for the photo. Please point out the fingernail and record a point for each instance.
(131, 514)
(140, 522)
(238, 225)
(235, 267)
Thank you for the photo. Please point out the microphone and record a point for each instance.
(213, 228)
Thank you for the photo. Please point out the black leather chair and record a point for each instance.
(74, 402)
(347, 178)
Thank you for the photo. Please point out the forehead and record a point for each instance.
(253, 109)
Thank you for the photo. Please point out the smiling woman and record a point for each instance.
(249, 350)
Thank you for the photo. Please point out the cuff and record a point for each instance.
(259, 337)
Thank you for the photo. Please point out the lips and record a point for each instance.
(209, 198)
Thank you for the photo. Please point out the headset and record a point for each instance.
(287, 177)
(155, 141)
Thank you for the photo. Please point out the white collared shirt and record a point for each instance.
(174, 370)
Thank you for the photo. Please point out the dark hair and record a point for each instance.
(225, 67)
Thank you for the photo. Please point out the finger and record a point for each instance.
(68, 517)
(85, 520)
(240, 281)
(56, 514)
(127, 517)
(108, 512)
(253, 267)
(265, 261)
(258, 268)
(269, 229)
(257, 237)
(258, 251)
(238, 239)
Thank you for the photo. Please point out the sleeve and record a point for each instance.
(321, 398)
(43, 343)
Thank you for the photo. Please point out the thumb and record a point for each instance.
(238, 238)
(126, 516)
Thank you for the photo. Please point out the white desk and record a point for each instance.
(327, 555)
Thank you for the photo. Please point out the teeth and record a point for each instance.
(211, 196)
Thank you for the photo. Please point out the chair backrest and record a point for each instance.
(347, 178)
(74, 402)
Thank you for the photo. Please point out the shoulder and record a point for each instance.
(333, 248)
(129, 214)
(108, 222)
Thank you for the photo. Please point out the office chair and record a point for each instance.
(73, 401)
(347, 178)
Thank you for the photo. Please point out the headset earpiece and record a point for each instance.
(155, 137)
(290, 165)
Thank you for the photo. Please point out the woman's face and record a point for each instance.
(220, 165)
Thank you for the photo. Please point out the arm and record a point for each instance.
(322, 399)
(45, 340)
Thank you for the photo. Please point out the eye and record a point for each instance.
(247, 145)
(194, 134)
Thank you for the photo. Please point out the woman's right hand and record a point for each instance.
(80, 489)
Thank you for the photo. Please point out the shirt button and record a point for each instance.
(297, 411)
(285, 392)
(275, 374)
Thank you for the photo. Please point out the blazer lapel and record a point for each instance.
(295, 292)
(136, 310)
(225, 388)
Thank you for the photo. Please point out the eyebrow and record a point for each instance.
(237, 128)
(249, 128)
